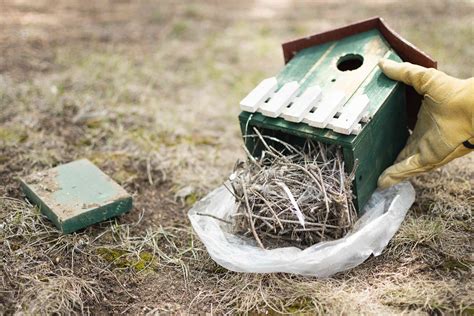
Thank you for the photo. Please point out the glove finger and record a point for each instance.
(400, 171)
(413, 166)
(424, 80)
(420, 134)
(409, 150)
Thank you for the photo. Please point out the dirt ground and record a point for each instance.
(149, 91)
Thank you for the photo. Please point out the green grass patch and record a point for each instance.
(12, 135)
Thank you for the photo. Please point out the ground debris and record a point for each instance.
(295, 197)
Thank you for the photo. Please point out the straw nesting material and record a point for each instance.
(297, 198)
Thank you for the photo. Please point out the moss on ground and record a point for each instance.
(191, 199)
(124, 259)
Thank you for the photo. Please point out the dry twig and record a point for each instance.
(293, 197)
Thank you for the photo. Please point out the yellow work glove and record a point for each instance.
(444, 129)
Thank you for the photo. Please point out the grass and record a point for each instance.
(148, 91)
(56, 294)
(47, 272)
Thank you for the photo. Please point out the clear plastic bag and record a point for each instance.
(381, 218)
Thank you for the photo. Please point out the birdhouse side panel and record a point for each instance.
(378, 145)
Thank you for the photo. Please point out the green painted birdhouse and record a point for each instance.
(332, 91)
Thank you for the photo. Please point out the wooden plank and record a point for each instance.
(327, 108)
(370, 45)
(280, 99)
(299, 67)
(351, 115)
(357, 129)
(376, 86)
(291, 48)
(265, 89)
(302, 105)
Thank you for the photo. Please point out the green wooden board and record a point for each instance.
(380, 140)
(76, 195)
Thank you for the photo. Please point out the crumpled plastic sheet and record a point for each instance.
(381, 219)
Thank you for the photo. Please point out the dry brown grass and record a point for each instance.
(55, 294)
(148, 91)
(44, 271)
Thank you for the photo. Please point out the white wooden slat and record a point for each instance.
(357, 129)
(265, 89)
(331, 123)
(302, 105)
(327, 108)
(351, 115)
(280, 99)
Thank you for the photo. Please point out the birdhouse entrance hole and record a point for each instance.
(350, 62)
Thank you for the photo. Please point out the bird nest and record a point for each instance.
(292, 197)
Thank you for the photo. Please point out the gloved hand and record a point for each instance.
(445, 126)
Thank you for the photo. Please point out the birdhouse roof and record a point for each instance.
(404, 49)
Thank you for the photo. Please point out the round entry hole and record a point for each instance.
(350, 62)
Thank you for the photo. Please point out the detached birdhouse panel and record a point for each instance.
(76, 195)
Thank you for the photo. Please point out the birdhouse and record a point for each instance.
(332, 91)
